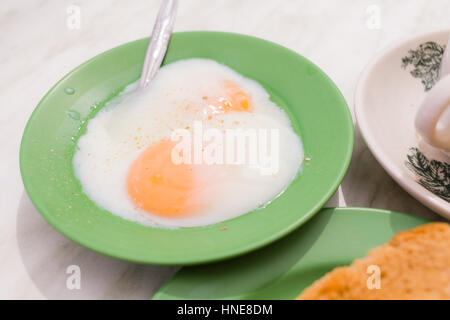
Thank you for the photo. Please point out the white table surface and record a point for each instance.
(39, 46)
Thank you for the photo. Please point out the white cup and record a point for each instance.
(433, 118)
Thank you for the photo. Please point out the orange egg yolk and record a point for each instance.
(157, 185)
(234, 100)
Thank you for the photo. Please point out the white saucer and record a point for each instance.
(388, 94)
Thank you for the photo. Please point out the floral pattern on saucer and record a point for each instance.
(433, 175)
(426, 60)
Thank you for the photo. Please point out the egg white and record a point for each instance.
(133, 121)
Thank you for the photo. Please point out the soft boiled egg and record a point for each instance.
(202, 144)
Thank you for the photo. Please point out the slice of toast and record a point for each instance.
(414, 264)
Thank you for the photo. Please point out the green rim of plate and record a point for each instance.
(334, 237)
(316, 107)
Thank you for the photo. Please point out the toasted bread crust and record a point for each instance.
(414, 264)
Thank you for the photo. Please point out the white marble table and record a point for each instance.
(42, 40)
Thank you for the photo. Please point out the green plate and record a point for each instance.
(334, 237)
(317, 109)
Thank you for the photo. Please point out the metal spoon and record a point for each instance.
(159, 40)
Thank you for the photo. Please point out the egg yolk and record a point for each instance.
(234, 100)
(157, 185)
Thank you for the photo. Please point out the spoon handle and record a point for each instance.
(159, 40)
